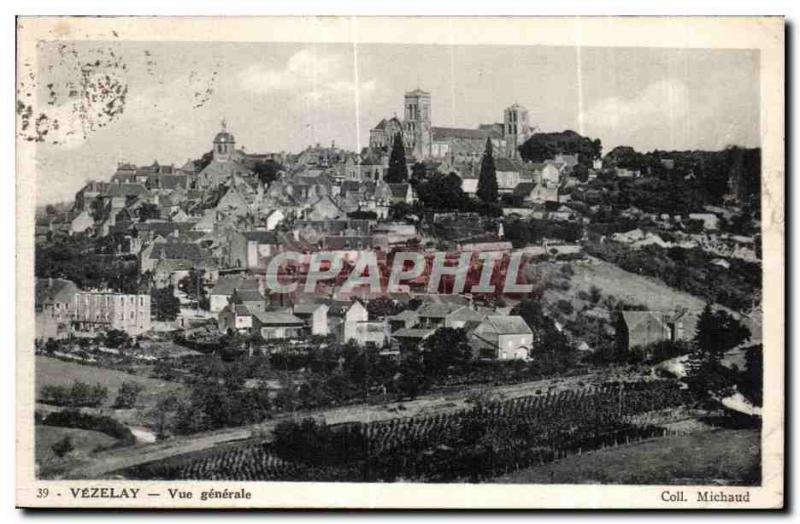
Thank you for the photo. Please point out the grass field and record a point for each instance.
(630, 287)
(56, 372)
(84, 441)
(723, 457)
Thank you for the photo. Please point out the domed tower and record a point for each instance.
(224, 144)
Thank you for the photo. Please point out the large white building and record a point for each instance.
(102, 311)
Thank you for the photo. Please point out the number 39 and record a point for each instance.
(42, 493)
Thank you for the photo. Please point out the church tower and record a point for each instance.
(515, 128)
(417, 123)
(224, 144)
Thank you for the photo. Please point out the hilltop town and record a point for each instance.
(156, 276)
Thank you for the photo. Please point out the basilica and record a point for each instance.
(448, 144)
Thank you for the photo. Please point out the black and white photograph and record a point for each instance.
(398, 262)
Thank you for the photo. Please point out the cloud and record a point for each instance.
(308, 75)
(657, 116)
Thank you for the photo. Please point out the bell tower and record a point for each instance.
(417, 122)
(224, 144)
(515, 128)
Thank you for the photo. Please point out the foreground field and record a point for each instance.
(724, 457)
(51, 371)
(433, 404)
(84, 441)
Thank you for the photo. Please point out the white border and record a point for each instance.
(632, 38)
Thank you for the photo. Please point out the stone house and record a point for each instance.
(277, 325)
(315, 317)
(501, 337)
(226, 286)
(641, 328)
(54, 301)
(235, 318)
(248, 249)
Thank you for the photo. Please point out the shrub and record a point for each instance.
(80, 394)
(565, 307)
(128, 394)
(63, 446)
(72, 418)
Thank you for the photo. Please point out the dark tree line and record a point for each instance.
(545, 146)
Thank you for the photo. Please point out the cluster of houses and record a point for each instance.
(226, 215)
(243, 308)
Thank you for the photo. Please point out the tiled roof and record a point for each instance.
(249, 295)
(262, 237)
(307, 309)
(524, 189)
(406, 314)
(182, 250)
(50, 290)
(348, 242)
(350, 186)
(414, 333)
(436, 310)
(398, 190)
(116, 190)
(443, 133)
(281, 318)
(466, 314)
(226, 284)
(508, 325)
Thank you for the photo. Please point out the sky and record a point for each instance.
(285, 96)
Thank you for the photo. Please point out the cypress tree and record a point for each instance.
(706, 335)
(487, 181)
(397, 172)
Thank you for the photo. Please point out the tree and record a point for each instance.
(63, 446)
(397, 172)
(419, 172)
(148, 211)
(267, 171)
(194, 286)
(446, 348)
(165, 304)
(443, 193)
(487, 180)
(204, 160)
(595, 294)
(546, 336)
(410, 380)
(581, 172)
(544, 146)
(718, 332)
(751, 383)
(128, 394)
(116, 339)
(383, 306)
(715, 334)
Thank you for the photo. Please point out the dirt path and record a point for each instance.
(105, 463)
